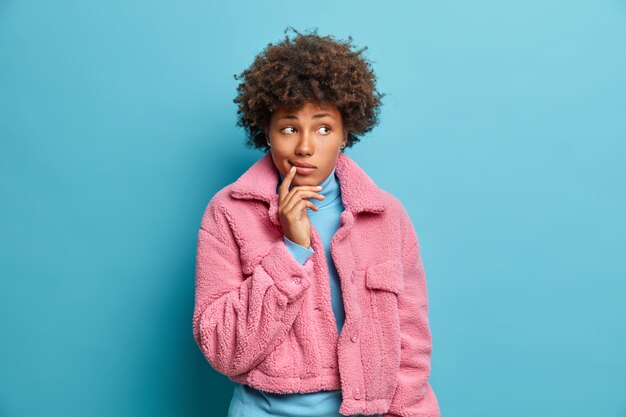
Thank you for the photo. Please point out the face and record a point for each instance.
(312, 135)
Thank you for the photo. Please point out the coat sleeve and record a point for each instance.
(414, 397)
(239, 319)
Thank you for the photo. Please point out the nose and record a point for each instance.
(305, 144)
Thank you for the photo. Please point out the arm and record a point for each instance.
(238, 320)
(414, 396)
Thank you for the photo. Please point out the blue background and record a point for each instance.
(503, 132)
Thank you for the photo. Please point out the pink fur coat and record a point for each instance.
(264, 320)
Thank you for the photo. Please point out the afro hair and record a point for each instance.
(308, 68)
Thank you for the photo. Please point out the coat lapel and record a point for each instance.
(358, 191)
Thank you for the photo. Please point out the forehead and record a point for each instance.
(309, 110)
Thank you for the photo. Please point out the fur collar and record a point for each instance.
(358, 190)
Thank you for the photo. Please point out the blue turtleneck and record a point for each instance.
(250, 402)
(326, 222)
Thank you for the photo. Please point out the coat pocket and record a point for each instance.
(387, 275)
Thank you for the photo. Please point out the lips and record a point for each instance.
(302, 164)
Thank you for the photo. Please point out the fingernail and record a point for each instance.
(292, 168)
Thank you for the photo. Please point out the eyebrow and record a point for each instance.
(316, 116)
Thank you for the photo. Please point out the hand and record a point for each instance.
(292, 205)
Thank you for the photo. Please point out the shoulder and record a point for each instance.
(397, 211)
(395, 207)
(219, 208)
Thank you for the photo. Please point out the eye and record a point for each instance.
(327, 128)
(283, 129)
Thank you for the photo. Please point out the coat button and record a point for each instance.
(356, 393)
(354, 336)
(295, 280)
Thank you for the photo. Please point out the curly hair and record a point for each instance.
(308, 68)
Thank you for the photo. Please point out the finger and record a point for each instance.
(284, 186)
(300, 207)
(298, 188)
(294, 202)
(299, 194)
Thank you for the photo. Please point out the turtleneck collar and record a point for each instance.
(330, 189)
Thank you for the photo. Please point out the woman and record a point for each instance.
(310, 290)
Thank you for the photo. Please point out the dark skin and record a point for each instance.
(294, 218)
(315, 135)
